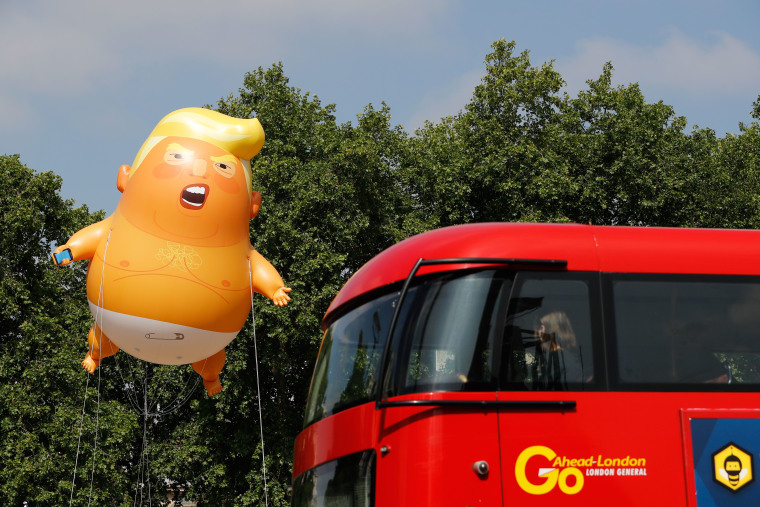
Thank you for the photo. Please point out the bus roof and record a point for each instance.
(584, 247)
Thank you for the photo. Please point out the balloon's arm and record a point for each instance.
(82, 244)
(267, 281)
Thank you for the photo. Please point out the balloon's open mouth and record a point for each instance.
(194, 196)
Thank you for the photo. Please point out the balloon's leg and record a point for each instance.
(209, 370)
(100, 347)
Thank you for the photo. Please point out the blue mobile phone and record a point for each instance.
(63, 256)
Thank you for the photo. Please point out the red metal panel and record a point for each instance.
(688, 251)
(432, 449)
(346, 432)
(604, 426)
(431, 452)
(586, 248)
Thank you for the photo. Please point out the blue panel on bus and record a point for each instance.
(726, 452)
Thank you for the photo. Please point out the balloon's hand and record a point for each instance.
(62, 256)
(280, 297)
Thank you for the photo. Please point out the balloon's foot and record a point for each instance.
(89, 364)
(213, 386)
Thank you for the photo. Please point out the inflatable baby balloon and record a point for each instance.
(172, 270)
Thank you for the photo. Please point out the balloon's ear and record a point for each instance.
(122, 177)
(255, 204)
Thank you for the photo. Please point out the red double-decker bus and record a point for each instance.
(524, 364)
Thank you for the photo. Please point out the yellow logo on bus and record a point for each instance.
(551, 476)
(732, 467)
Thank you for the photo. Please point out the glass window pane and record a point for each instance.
(448, 323)
(548, 335)
(345, 373)
(687, 330)
(346, 482)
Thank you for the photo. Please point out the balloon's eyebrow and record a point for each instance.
(225, 158)
(178, 147)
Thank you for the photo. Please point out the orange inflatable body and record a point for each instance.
(172, 270)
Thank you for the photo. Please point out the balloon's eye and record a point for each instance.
(226, 169)
(177, 155)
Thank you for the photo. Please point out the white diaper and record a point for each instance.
(159, 342)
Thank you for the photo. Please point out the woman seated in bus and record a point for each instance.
(558, 362)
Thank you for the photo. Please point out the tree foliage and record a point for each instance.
(42, 323)
(521, 150)
(335, 194)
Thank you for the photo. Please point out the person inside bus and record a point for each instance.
(558, 362)
(698, 365)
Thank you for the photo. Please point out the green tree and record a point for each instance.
(495, 160)
(623, 155)
(520, 151)
(43, 326)
(737, 179)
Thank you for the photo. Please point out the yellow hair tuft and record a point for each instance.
(241, 137)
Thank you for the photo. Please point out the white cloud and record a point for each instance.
(66, 50)
(724, 66)
(62, 46)
(49, 56)
(16, 115)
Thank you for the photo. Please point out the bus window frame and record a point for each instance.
(616, 384)
(397, 366)
(599, 356)
(386, 381)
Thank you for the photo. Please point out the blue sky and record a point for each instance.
(83, 82)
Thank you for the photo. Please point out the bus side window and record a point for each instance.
(697, 330)
(548, 335)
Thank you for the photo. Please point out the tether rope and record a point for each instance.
(95, 444)
(143, 475)
(258, 387)
(87, 385)
(79, 440)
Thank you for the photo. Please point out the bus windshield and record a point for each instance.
(448, 323)
(344, 375)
